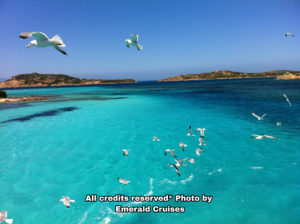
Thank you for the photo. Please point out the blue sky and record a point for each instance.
(179, 36)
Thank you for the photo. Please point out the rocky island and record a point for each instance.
(278, 74)
(44, 80)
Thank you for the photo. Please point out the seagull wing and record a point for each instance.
(134, 38)
(190, 160)
(177, 170)
(9, 221)
(287, 99)
(139, 47)
(60, 50)
(39, 36)
(173, 153)
(268, 136)
(263, 116)
(122, 180)
(25, 35)
(255, 115)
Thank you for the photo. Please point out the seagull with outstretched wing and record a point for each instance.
(179, 163)
(125, 152)
(133, 42)
(182, 146)
(171, 151)
(66, 201)
(123, 181)
(258, 117)
(189, 160)
(41, 41)
(287, 99)
(155, 139)
(259, 137)
(201, 130)
(3, 218)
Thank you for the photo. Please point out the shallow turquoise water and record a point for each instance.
(71, 145)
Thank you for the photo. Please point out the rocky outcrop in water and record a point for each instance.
(3, 94)
(22, 99)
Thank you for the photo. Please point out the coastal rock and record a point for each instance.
(22, 99)
(219, 74)
(41, 80)
(289, 76)
(3, 94)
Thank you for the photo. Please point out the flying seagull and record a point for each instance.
(133, 42)
(199, 151)
(155, 139)
(287, 99)
(258, 117)
(289, 34)
(218, 170)
(123, 181)
(179, 163)
(201, 130)
(3, 218)
(190, 133)
(125, 152)
(41, 40)
(176, 168)
(66, 201)
(262, 136)
(201, 141)
(256, 167)
(190, 160)
(171, 151)
(182, 146)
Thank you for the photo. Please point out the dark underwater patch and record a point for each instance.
(96, 98)
(42, 114)
(14, 105)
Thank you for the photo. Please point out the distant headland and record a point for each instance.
(278, 74)
(43, 80)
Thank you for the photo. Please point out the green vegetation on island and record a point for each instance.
(279, 74)
(39, 80)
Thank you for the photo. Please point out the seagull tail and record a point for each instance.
(9, 221)
(57, 40)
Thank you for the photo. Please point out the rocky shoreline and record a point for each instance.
(288, 76)
(22, 99)
(278, 74)
(54, 80)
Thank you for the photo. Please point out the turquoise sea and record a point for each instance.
(71, 145)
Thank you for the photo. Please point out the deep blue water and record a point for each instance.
(71, 145)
